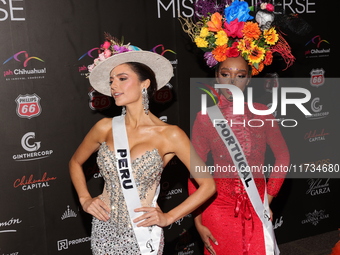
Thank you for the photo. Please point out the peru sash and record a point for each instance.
(148, 238)
(243, 169)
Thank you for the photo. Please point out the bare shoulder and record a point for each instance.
(174, 133)
(101, 129)
(103, 125)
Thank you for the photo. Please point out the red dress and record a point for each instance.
(229, 215)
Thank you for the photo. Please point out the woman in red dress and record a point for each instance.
(238, 47)
(228, 223)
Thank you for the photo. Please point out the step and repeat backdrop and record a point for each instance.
(47, 107)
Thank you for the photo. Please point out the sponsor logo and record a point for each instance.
(317, 47)
(11, 12)
(315, 136)
(32, 147)
(29, 183)
(185, 9)
(315, 217)
(25, 73)
(164, 118)
(9, 223)
(12, 253)
(317, 163)
(316, 108)
(68, 214)
(179, 222)
(278, 223)
(163, 95)
(318, 187)
(166, 193)
(98, 101)
(317, 78)
(65, 244)
(28, 106)
(92, 53)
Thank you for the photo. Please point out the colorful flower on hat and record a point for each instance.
(110, 47)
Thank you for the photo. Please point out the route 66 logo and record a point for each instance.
(28, 106)
(317, 77)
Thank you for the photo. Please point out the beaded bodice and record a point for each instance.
(116, 235)
(146, 170)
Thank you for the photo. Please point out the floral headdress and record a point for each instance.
(235, 32)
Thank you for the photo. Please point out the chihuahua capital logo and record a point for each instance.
(317, 47)
(27, 58)
(21, 72)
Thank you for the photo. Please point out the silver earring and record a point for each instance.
(123, 111)
(145, 101)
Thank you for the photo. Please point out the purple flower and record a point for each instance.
(209, 58)
(120, 49)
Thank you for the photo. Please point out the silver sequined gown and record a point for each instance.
(116, 236)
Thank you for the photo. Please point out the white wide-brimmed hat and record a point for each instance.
(100, 75)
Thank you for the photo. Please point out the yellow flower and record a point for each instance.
(270, 36)
(201, 43)
(245, 46)
(256, 55)
(204, 32)
(221, 38)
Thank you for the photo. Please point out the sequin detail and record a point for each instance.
(116, 236)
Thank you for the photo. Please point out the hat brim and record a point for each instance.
(100, 75)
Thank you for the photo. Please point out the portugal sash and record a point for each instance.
(243, 169)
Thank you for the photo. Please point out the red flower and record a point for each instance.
(233, 52)
(106, 45)
(234, 29)
(268, 59)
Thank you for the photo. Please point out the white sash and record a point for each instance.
(148, 238)
(243, 169)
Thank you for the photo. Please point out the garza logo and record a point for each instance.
(26, 144)
(317, 78)
(27, 58)
(28, 106)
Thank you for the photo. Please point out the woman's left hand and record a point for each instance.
(151, 216)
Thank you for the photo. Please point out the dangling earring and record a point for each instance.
(145, 101)
(123, 111)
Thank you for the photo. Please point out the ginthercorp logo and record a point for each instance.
(317, 107)
(25, 73)
(29, 144)
(317, 47)
(28, 106)
(65, 244)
